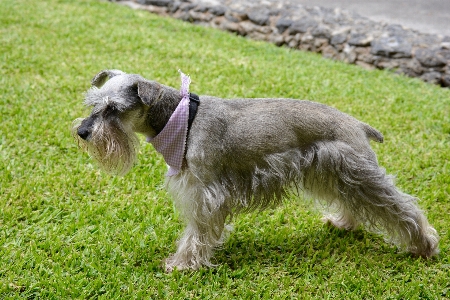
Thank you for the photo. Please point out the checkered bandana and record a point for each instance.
(171, 141)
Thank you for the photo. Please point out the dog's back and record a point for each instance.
(255, 127)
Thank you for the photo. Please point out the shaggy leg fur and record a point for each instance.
(330, 171)
(205, 219)
(196, 247)
(365, 194)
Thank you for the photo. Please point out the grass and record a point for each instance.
(68, 231)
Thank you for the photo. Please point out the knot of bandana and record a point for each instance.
(171, 141)
(185, 82)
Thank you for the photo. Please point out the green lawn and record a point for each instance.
(69, 231)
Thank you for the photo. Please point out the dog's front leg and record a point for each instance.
(205, 214)
(196, 246)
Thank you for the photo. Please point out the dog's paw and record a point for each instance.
(426, 246)
(172, 263)
(339, 222)
(169, 268)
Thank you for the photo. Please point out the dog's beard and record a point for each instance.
(112, 145)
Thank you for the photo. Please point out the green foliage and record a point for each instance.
(69, 231)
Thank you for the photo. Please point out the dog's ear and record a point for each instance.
(149, 91)
(103, 76)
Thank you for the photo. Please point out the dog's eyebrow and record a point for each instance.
(103, 101)
(91, 96)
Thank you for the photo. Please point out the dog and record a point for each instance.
(238, 155)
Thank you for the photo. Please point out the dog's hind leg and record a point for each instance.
(205, 214)
(366, 193)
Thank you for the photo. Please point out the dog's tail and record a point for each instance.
(372, 133)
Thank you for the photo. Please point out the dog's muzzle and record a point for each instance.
(83, 133)
(85, 129)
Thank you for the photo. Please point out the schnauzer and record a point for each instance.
(230, 156)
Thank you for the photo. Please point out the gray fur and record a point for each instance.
(247, 154)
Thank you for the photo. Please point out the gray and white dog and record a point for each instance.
(247, 154)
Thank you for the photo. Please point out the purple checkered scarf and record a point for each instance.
(171, 141)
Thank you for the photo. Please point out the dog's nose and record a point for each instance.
(83, 133)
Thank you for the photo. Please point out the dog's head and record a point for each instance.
(120, 107)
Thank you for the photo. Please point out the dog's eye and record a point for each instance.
(110, 110)
(96, 110)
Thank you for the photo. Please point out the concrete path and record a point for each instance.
(427, 16)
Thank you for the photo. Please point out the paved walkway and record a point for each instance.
(427, 16)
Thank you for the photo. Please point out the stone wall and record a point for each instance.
(335, 33)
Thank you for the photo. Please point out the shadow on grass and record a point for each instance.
(292, 250)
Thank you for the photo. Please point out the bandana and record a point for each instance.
(171, 141)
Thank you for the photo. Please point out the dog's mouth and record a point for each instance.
(109, 143)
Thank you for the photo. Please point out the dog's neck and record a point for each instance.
(171, 140)
(160, 112)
